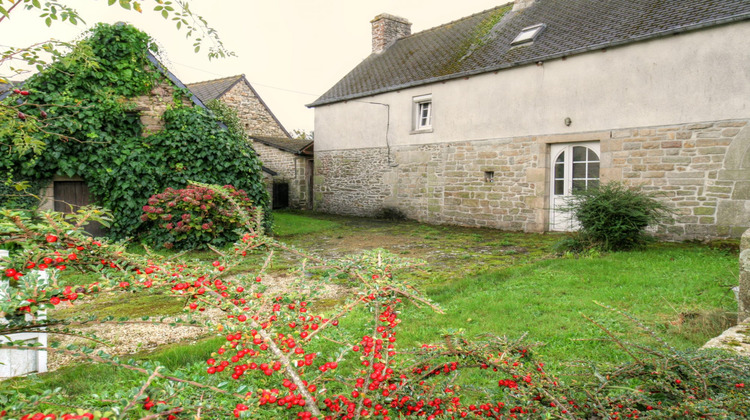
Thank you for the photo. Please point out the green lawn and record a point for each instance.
(502, 283)
(680, 291)
(508, 283)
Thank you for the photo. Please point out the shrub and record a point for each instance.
(194, 217)
(614, 217)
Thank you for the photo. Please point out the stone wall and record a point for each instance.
(352, 182)
(151, 107)
(698, 168)
(744, 294)
(291, 169)
(255, 116)
(701, 170)
(441, 183)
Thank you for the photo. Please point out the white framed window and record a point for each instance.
(422, 112)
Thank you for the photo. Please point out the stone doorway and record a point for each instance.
(574, 166)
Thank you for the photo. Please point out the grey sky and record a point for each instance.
(290, 50)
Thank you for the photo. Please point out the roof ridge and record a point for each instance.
(216, 80)
(453, 22)
(286, 144)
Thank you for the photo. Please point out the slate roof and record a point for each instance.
(213, 89)
(481, 42)
(296, 146)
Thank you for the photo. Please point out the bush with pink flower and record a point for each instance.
(194, 217)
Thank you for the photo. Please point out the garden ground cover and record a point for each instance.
(510, 283)
(496, 282)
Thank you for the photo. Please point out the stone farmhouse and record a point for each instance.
(288, 162)
(493, 119)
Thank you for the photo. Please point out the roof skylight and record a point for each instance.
(528, 34)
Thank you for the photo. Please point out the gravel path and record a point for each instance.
(132, 338)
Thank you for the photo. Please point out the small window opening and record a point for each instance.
(424, 115)
(422, 112)
(528, 34)
(489, 176)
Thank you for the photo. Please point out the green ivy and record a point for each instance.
(228, 116)
(92, 130)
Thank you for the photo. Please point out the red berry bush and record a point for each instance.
(195, 217)
(283, 357)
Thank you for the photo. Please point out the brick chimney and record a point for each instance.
(386, 29)
(521, 4)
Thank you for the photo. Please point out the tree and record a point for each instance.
(302, 134)
(177, 11)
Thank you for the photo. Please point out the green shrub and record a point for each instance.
(194, 217)
(614, 217)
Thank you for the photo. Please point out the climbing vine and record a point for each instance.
(92, 129)
(227, 115)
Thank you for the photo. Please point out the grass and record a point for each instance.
(549, 299)
(510, 283)
(287, 224)
(86, 379)
(488, 281)
(132, 305)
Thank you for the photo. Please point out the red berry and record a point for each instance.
(51, 238)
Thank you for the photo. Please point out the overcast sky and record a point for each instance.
(291, 51)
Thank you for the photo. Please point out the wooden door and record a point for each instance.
(70, 196)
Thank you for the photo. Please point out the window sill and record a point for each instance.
(421, 131)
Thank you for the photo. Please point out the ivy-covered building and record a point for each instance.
(113, 126)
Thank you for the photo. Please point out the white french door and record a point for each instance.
(575, 167)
